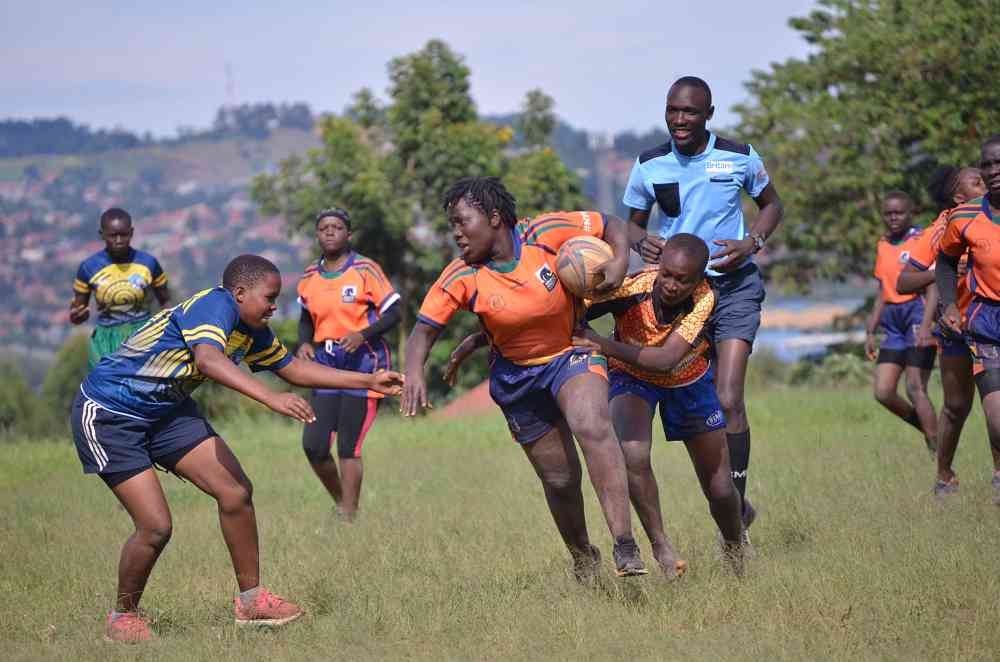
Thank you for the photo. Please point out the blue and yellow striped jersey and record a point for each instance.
(120, 288)
(153, 371)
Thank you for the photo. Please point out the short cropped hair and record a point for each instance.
(115, 214)
(690, 245)
(487, 194)
(899, 195)
(336, 212)
(246, 271)
(694, 81)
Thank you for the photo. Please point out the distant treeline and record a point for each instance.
(62, 136)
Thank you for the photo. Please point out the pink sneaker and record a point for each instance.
(130, 628)
(266, 610)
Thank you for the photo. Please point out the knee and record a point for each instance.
(157, 536)
(720, 489)
(637, 460)
(236, 497)
(565, 480)
(731, 399)
(316, 452)
(955, 408)
(884, 394)
(592, 428)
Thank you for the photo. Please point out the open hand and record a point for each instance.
(351, 341)
(292, 405)
(387, 382)
(586, 338)
(414, 398)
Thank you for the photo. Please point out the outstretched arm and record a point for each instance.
(656, 359)
(417, 347)
(211, 362)
(302, 372)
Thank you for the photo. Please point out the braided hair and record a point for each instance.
(487, 194)
(942, 186)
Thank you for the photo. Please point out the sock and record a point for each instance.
(913, 420)
(249, 595)
(739, 459)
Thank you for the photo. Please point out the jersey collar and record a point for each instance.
(709, 146)
(131, 256)
(334, 274)
(507, 267)
(986, 206)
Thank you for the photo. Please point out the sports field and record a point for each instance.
(455, 556)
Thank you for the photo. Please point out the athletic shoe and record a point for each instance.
(627, 560)
(996, 488)
(587, 565)
(266, 610)
(945, 488)
(129, 628)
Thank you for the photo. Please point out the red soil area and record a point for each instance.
(474, 402)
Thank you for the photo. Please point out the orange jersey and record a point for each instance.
(890, 258)
(636, 324)
(345, 301)
(523, 307)
(924, 250)
(973, 229)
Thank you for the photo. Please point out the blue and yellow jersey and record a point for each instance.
(153, 371)
(120, 288)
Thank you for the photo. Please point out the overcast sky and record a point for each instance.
(160, 65)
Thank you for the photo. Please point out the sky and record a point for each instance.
(155, 66)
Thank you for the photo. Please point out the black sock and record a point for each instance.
(739, 459)
(914, 420)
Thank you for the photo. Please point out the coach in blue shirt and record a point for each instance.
(696, 179)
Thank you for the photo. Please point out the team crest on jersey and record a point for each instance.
(715, 419)
(136, 281)
(547, 276)
(496, 302)
(719, 166)
(904, 257)
(349, 294)
(578, 358)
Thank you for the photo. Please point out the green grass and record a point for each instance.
(455, 556)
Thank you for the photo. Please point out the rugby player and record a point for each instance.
(134, 412)
(549, 391)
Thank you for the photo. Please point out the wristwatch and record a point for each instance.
(758, 241)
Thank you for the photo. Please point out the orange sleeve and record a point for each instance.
(953, 240)
(378, 288)
(553, 229)
(922, 255)
(453, 290)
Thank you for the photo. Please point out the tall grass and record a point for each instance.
(455, 555)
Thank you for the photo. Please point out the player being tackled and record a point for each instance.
(134, 412)
(658, 357)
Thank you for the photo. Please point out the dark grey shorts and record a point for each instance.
(738, 298)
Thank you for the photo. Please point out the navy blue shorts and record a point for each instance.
(901, 322)
(109, 443)
(527, 394)
(952, 345)
(371, 356)
(686, 411)
(984, 335)
(739, 297)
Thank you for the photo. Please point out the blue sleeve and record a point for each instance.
(267, 352)
(756, 178)
(636, 195)
(81, 284)
(209, 318)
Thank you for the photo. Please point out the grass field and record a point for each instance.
(455, 556)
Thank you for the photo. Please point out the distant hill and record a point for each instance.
(189, 197)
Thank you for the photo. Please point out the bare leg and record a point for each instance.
(352, 472)
(213, 468)
(991, 408)
(583, 401)
(959, 388)
(633, 420)
(554, 459)
(142, 496)
(326, 471)
(710, 458)
(916, 391)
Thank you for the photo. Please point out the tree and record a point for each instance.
(537, 120)
(21, 412)
(66, 373)
(889, 91)
(389, 166)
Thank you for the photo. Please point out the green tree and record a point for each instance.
(889, 90)
(67, 372)
(537, 120)
(21, 411)
(390, 164)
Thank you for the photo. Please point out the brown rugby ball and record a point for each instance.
(576, 261)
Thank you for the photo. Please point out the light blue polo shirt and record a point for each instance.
(698, 194)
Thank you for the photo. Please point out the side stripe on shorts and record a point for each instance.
(90, 432)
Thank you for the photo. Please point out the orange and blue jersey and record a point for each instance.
(120, 288)
(890, 258)
(154, 369)
(636, 323)
(972, 230)
(924, 248)
(526, 313)
(345, 301)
